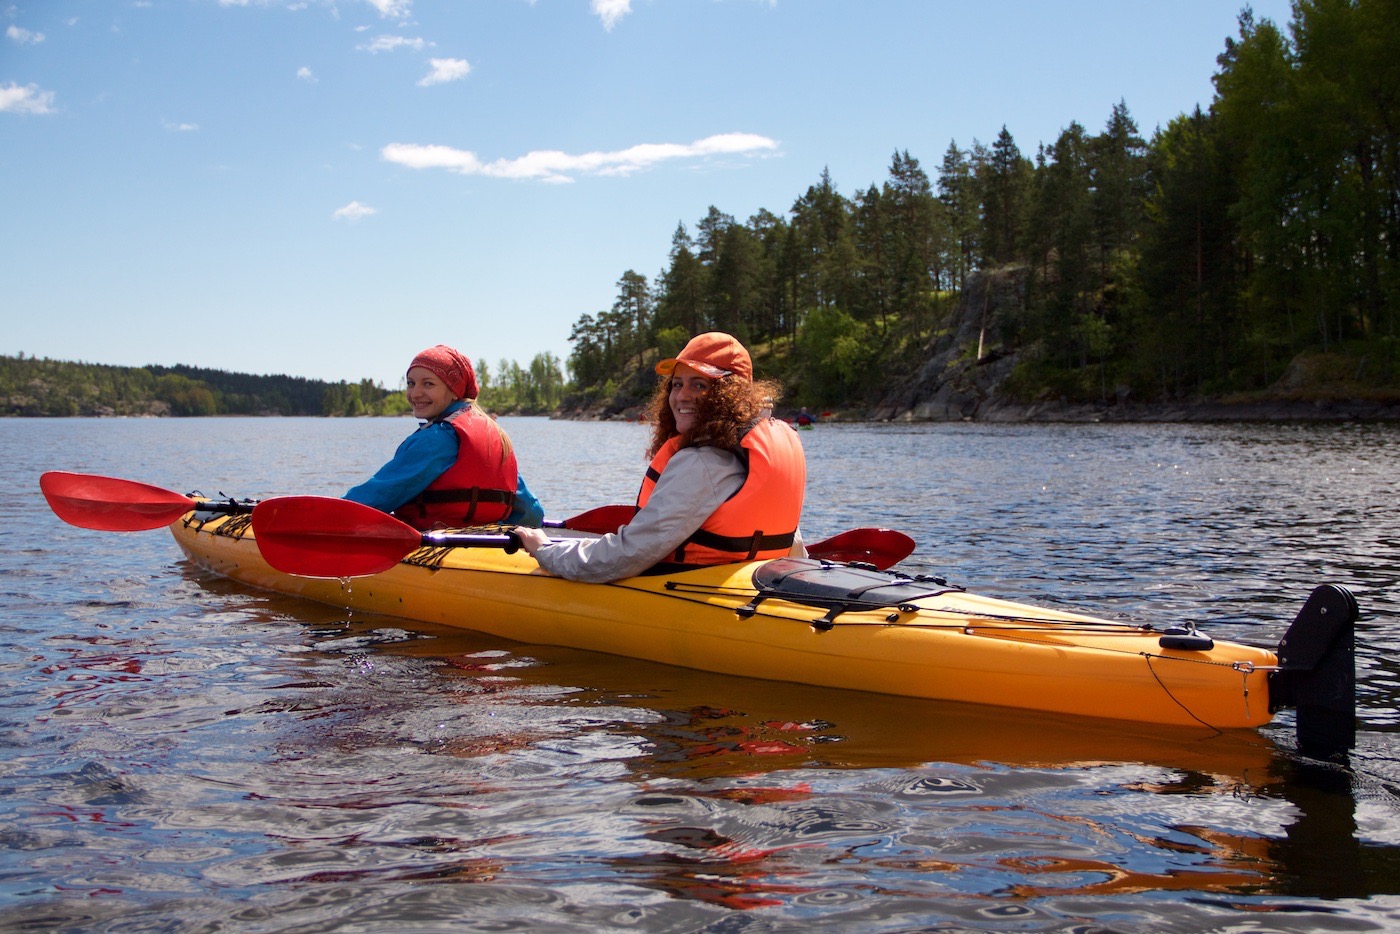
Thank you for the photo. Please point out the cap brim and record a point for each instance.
(668, 366)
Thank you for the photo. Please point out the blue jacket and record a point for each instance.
(421, 459)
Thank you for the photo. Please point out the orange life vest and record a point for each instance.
(759, 521)
(480, 485)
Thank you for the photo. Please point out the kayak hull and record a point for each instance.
(941, 644)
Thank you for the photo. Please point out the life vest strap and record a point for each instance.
(474, 497)
(750, 545)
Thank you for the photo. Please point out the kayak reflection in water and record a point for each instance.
(725, 482)
(458, 469)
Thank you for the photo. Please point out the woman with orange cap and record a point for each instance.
(458, 469)
(725, 482)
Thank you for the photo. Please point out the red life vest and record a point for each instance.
(480, 485)
(759, 521)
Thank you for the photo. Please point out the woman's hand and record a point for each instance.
(532, 540)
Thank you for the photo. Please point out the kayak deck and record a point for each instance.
(798, 620)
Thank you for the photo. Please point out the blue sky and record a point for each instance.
(324, 187)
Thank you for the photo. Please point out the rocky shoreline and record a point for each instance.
(1276, 411)
(965, 376)
(1314, 411)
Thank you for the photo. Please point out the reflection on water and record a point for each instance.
(181, 752)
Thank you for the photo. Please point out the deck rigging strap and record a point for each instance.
(429, 556)
(841, 588)
(235, 526)
(1032, 623)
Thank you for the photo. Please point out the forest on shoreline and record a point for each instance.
(1242, 254)
(40, 387)
(1200, 265)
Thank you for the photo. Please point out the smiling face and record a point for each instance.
(427, 393)
(687, 386)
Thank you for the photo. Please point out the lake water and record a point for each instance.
(182, 753)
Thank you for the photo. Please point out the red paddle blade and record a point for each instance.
(319, 536)
(602, 519)
(108, 504)
(883, 548)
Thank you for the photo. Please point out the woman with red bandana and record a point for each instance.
(725, 482)
(458, 469)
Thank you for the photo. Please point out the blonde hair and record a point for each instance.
(507, 449)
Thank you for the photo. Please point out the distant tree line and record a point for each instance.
(32, 386)
(1197, 263)
(534, 390)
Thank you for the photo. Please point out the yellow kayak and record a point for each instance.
(835, 625)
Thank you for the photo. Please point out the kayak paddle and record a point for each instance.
(321, 536)
(600, 519)
(109, 504)
(883, 548)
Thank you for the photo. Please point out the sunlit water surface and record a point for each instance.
(182, 753)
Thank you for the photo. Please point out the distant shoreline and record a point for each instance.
(1276, 411)
(1309, 411)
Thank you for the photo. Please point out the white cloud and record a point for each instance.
(445, 69)
(179, 127)
(390, 43)
(305, 74)
(27, 99)
(23, 36)
(392, 7)
(353, 212)
(610, 11)
(555, 166)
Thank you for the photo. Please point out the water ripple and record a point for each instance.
(183, 753)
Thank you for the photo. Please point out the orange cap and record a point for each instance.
(714, 354)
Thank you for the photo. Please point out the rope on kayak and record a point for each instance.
(1175, 700)
(1246, 667)
(428, 556)
(1042, 621)
(848, 604)
(1060, 627)
(235, 526)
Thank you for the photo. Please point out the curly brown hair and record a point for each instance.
(722, 415)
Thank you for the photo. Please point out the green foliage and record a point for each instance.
(833, 358)
(1202, 262)
(670, 341)
(534, 390)
(41, 387)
